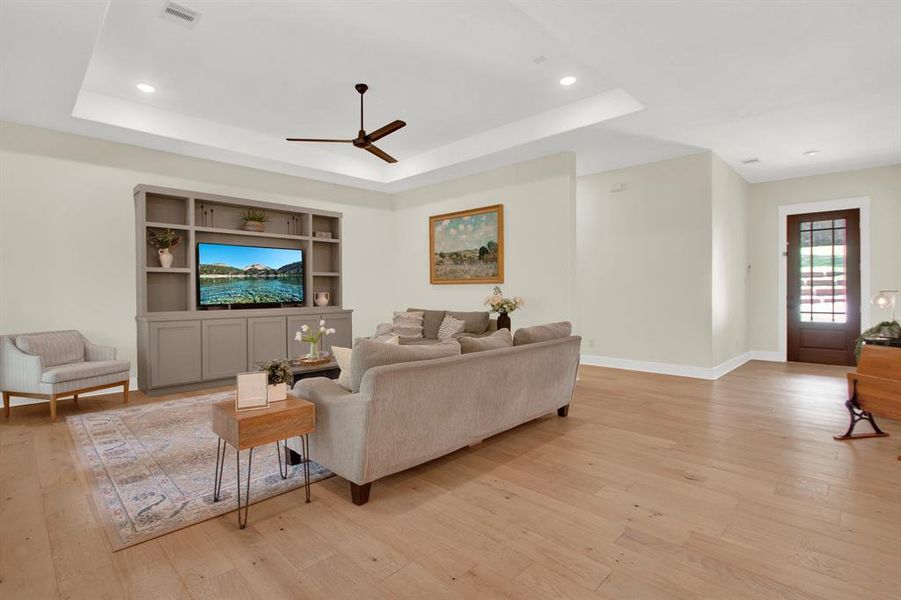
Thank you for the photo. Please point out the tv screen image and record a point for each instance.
(228, 274)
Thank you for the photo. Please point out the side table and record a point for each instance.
(247, 429)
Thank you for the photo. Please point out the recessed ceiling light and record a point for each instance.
(146, 88)
(811, 153)
(568, 80)
(750, 161)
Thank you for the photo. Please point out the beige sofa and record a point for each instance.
(478, 324)
(409, 413)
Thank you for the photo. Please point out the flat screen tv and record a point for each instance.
(248, 276)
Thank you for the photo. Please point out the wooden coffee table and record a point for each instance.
(247, 429)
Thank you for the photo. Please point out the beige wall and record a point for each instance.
(539, 217)
(883, 187)
(729, 290)
(67, 230)
(643, 269)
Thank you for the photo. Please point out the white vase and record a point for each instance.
(322, 298)
(166, 258)
(277, 391)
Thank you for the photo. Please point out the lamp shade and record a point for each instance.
(884, 299)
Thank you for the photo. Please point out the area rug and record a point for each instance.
(151, 467)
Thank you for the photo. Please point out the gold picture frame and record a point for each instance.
(467, 246)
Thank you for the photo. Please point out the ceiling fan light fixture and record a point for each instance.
(567, 81)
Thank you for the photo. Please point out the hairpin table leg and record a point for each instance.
(242, 521)
(220, 464)
(305, 441)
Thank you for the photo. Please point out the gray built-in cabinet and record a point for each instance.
(180, 344)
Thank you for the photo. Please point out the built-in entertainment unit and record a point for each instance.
(239, 276)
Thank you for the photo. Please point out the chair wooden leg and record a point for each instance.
(53, 407)
(563, 411)
(360, 493)
(75, 399)
(125, 391)
(6, 405)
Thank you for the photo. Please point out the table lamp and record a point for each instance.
(885, 299)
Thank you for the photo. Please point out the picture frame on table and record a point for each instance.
(252, 391)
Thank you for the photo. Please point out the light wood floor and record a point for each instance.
(653, 487)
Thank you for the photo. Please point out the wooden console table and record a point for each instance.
(245, 430)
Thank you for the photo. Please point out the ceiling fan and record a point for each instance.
(363, 140)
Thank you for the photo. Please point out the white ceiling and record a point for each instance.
(655, 80)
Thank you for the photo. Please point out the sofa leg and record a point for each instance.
(563, 411)
(6, 405)
(360, 493)
(75, 399)
(53, 407)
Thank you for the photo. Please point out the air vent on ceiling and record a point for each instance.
(180, 14)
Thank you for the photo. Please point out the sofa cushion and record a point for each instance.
(407, 324)
(342, 357)
(54, 348)
(542, 333)
(84, 370)
(499, 339)
(431, 321)
(450, 328)
(368, 354)
(476, 321)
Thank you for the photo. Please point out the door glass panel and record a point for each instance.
(823, 293)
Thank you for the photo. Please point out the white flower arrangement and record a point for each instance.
(499, 304)
(311, 335)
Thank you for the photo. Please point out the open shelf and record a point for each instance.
(325, 274)
(326, 240)
(170, 270)
(168, 290)
(165, 208)
(258, 234)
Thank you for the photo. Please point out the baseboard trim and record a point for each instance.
(709, 374)
(767, 355)
(132, 386)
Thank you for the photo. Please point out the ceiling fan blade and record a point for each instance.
(383, 155)
(318, 140)
(389, 128)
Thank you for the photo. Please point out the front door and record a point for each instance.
(823, 287)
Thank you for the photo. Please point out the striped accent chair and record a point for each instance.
(57, 364)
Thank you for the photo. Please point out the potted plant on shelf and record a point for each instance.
(313, 337)
(254, 220)
(163, 240)
(278, 373)
(503, 306)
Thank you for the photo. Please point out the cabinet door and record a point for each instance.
(297, 349)
(224, 348)
(174, 353)
(343, 335)
(266, 340)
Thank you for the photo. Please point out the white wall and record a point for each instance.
(539, 217)
(729, 290)
(643, 273)
(883, 187)
(67, 230)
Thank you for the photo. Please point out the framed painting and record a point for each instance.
(467, 246)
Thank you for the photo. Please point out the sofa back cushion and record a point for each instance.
(476, 321)
(431, 321)
(54, 347)
(501, 338)
(542, 333)
(369, 353)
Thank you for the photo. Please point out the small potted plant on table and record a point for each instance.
(279, 373)
(254, 220)
(163, 240)
(503, 306)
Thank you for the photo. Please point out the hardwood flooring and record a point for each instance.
(653, 487)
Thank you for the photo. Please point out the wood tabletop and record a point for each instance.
(250, 428)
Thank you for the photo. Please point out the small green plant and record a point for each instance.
(254, 216)
(890, 329)
(278, 371)
(163, 238)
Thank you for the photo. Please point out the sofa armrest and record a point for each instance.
(19, 371)
(342, 420)
(95, 352)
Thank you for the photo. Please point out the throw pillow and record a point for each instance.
(476, 321)
(431, 321)
(542, 333)
(342, 357)
(368, 354)
(407, 324)
(502, 338)
(450, 327)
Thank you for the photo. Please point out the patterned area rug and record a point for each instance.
(151, 467)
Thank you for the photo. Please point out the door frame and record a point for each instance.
(861, 203)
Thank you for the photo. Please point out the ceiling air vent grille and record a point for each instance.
(180, 14)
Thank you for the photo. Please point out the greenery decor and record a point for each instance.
(502, 305)
(312, 336)
(254, 216)
(163, 238)
(278, 371)
(887, 329)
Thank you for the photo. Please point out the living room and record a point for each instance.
(627, 183)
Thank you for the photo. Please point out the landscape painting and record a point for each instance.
(468, 246)
(248, 275)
